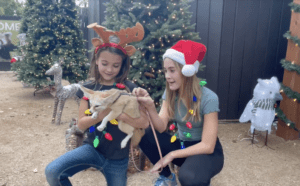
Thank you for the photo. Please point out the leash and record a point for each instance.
(155, 137)
(158, 147)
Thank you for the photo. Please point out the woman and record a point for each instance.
(194, 109)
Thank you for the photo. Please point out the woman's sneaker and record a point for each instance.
(163, 181)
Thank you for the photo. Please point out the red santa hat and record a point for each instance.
(14, 59)
(189, 54)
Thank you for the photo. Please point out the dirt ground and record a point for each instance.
(28, 142)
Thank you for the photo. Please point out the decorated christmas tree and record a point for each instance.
(52, 33)
(165, 22)
(26, 15)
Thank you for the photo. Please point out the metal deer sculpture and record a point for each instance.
(62, 93)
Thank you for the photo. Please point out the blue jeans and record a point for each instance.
(84, 157)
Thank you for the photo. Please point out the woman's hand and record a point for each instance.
(143, 97)
(163, 162)
(140, 92)
(146, 101)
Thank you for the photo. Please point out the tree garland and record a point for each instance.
(295, 39)
(295, 7)
(290, 93)
(288, 65)
(283, 117)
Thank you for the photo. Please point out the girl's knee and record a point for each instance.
(50, 170)
(189, 178)
(148, 136)
(53, 169)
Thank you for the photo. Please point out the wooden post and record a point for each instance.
(291, 79)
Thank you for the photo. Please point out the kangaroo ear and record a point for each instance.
(87, 92)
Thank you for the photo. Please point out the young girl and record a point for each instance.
(110, 65)
(197, 149)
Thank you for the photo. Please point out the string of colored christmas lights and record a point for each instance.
(290, 66)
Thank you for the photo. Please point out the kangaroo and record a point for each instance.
(119, 101)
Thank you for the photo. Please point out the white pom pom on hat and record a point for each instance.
(189, 54)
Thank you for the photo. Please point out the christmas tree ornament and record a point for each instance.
(194, 99)
(173, 138)
(92, 129)
(172, 127)
(114, 122)
(187, 134)
(96, 142)
(107, 136)
(202, 83)
(182, 145)
(87, 112)
(189, 125)
(191, 111)
(189, 54)
(119, 85)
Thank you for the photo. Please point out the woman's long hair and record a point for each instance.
(190, 87)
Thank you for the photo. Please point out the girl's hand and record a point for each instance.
(162, 162)
(140, 92)
(146, 101)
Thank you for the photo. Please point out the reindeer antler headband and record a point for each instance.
(126, 36)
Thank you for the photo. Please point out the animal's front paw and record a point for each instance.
(123, 144)
(95, 115)
(101, 127)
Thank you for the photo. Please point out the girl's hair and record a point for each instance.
(94, 74)
(190, 87)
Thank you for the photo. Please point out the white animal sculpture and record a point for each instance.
(260, 109)
(22, 39)
(62, 93)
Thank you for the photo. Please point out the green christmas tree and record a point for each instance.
(52, 33)
(26, 15)
(165, 22)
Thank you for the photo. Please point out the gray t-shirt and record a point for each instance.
(209, 103)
